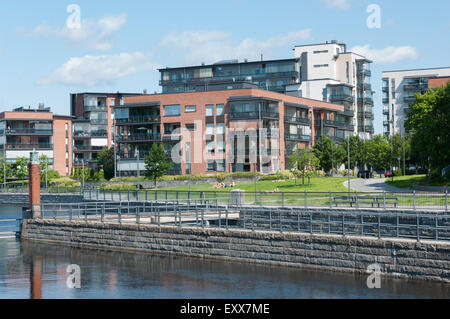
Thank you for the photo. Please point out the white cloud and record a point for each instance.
(93, 70)
(342, 5)
(211, 46)
(387, 55)
(92, 34)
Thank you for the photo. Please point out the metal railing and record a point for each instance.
(209, 214)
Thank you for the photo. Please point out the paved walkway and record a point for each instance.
(374, 185)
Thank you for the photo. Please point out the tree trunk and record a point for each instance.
(155, 183)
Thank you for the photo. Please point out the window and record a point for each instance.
(172, 110)
(220, 147)
(221, 166)
(220, 128)
(321, 51)
(210, 129)
(210, 147)
(211, 166)
(220, 109)
(210, 110)
(190, 108)
(190, 127)
(321, 65)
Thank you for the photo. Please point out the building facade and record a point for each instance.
(328, 72)
(92, 125)
(231, 130)
(24, 130)
(272, 75)
(399, 88)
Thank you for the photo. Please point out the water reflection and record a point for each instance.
(32, 270)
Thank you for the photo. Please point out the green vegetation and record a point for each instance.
(194, 177)
(409, 181)
(105, 161)
(429, 122)
(317, 184)
(303, 163)
(156, 164)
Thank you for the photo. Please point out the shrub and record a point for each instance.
(271, 178)
(118, 187)
(64, 182)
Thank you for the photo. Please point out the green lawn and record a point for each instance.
(318, 184)
(405, 181)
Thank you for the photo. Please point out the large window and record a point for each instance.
(172, 110)
(220, 109)
(221, 165)
(211, 166)
(210, 110)
(190, 108)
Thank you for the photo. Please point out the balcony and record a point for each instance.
(84, 134)
(366, 128)
(365, 86)
(139, 138)
(366, 100)
(367, 115)
(29, 146)
(409, 99)
(333, 123)
(385, 111)
(385, 89)
(415, 87)
(341, 98)
(170, 137)
(253, 115)
(298, 137)
(297, 120)
(386, 123)
(139, 120)
(348, 112)
(26, 131)
(99, 121)
(385, 100)
(95, 108)
(337, 139)
(364, 72)
(87, 148)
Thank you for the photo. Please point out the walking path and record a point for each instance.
(374, 185)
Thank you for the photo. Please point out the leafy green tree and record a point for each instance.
(106, 160)
(324, 151)
(302, 162)
(156, 164)
(5, 169)
(21, 168)
(378, 152)
(429, 123)
(44, 165)
(356, 152)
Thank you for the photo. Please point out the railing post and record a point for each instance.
(71, 213)
(446, 200)
(245, 213)
(146, 195)
(120, 214)
(330, 200)
(260, 198)
(203, 217)
(128, 195)
(414, 200)
(379, 226)
(343, 223)
(398, 226)
(306, 200)
(310, 223)
(226, 216)
(281, 221)
(138, 216)
(103, 214)
(282, 199)
(384, 200)
(356, 193)
(418, 227)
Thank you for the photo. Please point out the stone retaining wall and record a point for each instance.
(398, 258)
(7, 198)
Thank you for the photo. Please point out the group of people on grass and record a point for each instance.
(223, 185)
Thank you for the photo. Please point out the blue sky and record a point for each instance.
(121, 43)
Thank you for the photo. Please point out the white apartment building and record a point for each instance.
(398, 90)
(330, 73)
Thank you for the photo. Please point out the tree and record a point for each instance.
(429, 123)
(378, 152)
(324, 151)
(21, 168)
(356, 152)
(156, 164)
(302, 162)
(5, 169)
(106, 160)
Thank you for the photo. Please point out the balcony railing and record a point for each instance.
(341, 97)
(139, 137)
(409, 99)
(385, 111)
(95, 108)
(366, 128)
(139, 120)
(385, 100)
(365, 86)
(297, 120)
(385, 89)
(253, 115)
(87, 148)
(364, 72)
(349, 112)
(366, 100)
(298, 137)
(99, 121)
(29, 146)
(88, 134)
(386, 123)
(171, 137)
(26, 131)
(415, 87)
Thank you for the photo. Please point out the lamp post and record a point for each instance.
(82, 185)
(137, 168)
(348, 154)
(46, 175)
(116, 167)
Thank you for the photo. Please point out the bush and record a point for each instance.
(319, 174)
(64, 182)
(118, 187)
(271, 178)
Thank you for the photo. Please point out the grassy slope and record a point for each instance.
(409, 181)
(324, 184)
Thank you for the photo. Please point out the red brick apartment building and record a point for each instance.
(436, 82)
(23, 130)
(209, 131)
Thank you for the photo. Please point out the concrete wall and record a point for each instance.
(398, 258)
(45, 198)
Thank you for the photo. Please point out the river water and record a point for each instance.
(31, 270)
